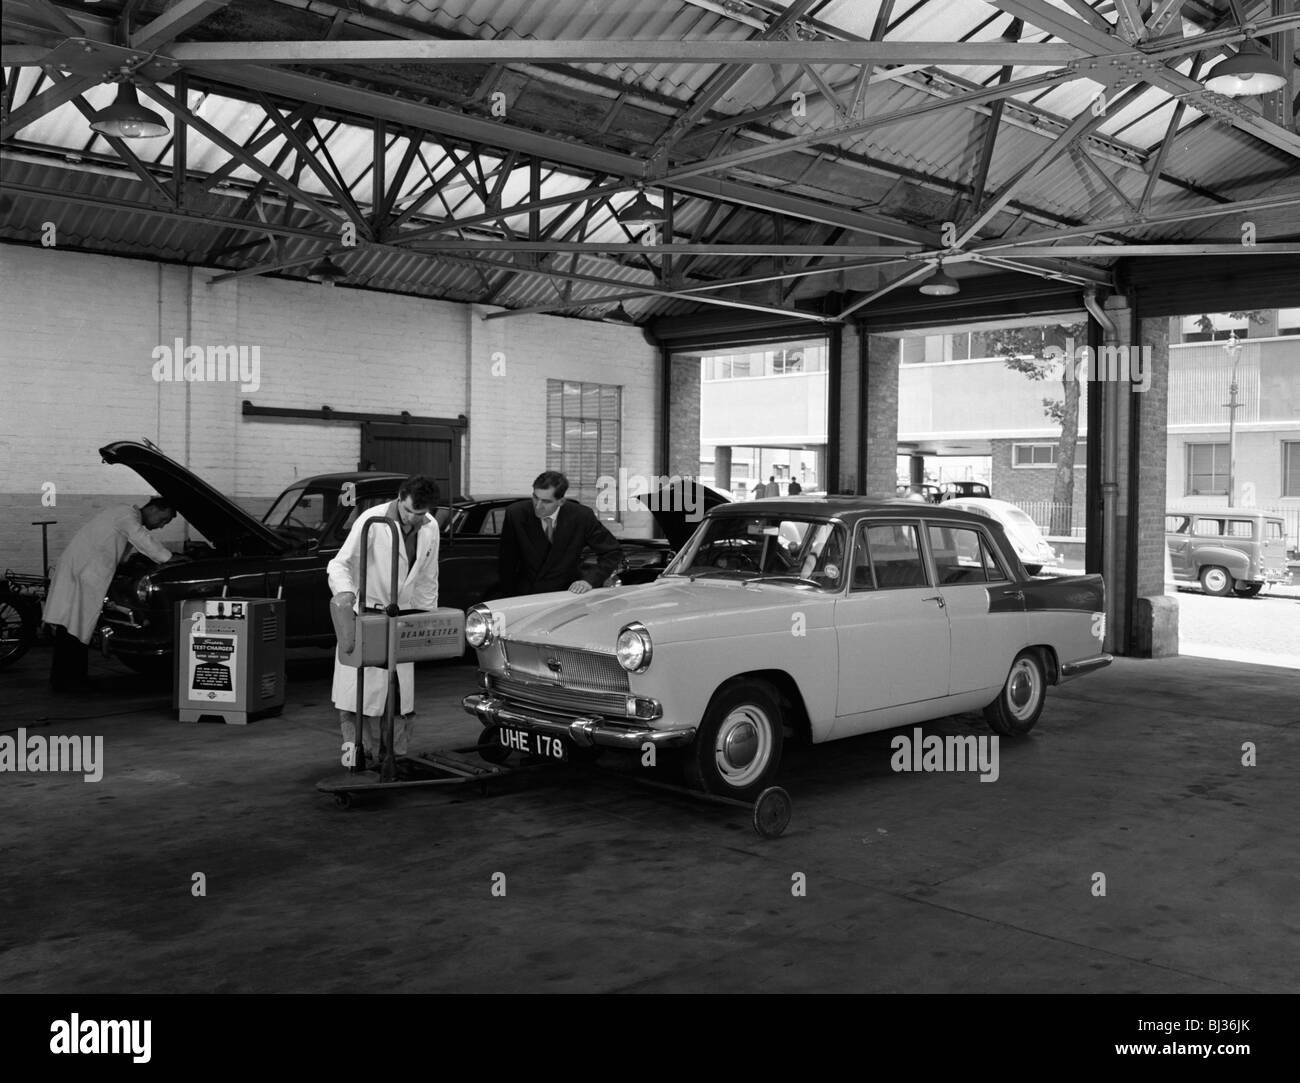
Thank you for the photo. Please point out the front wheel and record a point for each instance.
(1021, 700)
(1247, 590)
(1216, 581)
(738, 746)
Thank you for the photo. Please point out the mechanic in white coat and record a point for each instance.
(83, 575)
(417, 575)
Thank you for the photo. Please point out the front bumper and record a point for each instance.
(583, 730)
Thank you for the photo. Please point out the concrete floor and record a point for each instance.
(915, 882)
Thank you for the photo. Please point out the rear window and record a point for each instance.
(1274, 529)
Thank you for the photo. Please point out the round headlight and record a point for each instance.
(634, 648)
(478, 627)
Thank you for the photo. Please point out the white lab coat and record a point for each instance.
(86, 567)
(418, 590)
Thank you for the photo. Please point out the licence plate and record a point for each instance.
(534, 744)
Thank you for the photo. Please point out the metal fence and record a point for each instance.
(1054, 518)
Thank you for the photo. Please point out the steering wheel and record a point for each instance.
(735, 559)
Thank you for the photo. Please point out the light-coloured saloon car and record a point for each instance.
(806, 619)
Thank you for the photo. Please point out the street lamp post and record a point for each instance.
(1233, 349)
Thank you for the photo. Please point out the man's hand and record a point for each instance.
(580, 586)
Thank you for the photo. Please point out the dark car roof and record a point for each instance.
(841, 507)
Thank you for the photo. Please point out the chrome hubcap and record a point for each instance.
(743, 747)
(1022, 689)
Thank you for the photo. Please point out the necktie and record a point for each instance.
(548, 524)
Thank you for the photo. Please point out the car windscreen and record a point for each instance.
(303, 512)
(746, 547)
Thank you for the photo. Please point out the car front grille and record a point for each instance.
(587, 671)
(553, 697)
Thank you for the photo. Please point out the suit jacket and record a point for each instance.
(527, 564)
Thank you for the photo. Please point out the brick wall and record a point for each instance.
(77, 367)
(882, 415)
(684, 415)
(850, 430)
(1024, 484)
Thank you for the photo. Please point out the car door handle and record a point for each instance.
(935, 598)
(1018, 595)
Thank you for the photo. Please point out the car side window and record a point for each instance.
(1208, 528)
(1176, 524)
(962, 555)
(1241, 528)
(493, 521)
(1274, 530)
(893, 558)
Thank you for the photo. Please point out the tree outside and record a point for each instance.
(1024, 350)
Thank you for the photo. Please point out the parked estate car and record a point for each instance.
(1031, 547)
(285, 554)
(819, 619)
(1227, 550)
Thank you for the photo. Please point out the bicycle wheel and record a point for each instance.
(17, 629)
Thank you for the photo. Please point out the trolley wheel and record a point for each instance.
(772, 812)
(343, 800)
(490, 746)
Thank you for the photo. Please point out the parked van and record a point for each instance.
(1227, 550)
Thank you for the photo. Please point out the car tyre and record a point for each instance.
(1247, 590)
(738, 746)
(1016, 710)
(1216, 581)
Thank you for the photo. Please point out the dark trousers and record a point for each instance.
(70, 668)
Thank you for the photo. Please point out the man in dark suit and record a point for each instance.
(543, 540)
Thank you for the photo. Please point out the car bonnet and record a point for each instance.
(218, 518)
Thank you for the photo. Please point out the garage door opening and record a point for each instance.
(763, 417)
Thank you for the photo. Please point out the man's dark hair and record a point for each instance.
(159, 503)
(552, 479)
(423, 491)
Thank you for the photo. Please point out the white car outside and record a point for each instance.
(1034, 551)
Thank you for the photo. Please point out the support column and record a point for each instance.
(916, 471)
(1155, 619)
(683, 420)
(722, 466)
(881, 416)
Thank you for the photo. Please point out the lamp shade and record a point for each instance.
(940, 284)
(641, 212)
(126, 118)
(326, 271)
(1250, 70)
(619, 314)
